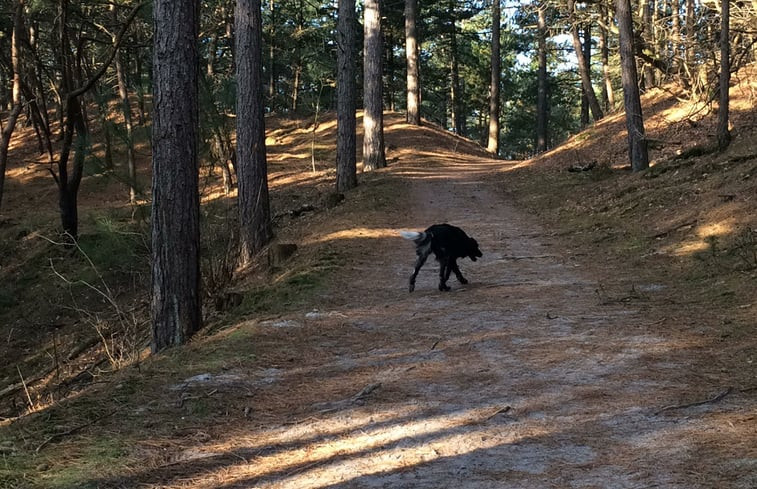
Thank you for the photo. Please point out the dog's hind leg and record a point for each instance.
(458, 273)
(444, 271)
(422, 256)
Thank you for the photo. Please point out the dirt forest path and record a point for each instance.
(525, 378)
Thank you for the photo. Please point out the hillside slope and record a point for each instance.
(609, 325)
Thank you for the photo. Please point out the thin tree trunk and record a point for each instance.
(689, 42)
(583, 66)
(411, 55)
(7, 131)
(492, 145)
(176, 303)
(272, 55)
(455, 96)
(252, 168)
(346, 144)
(373, 98)
(586, 46)
(647, 8)
(724, 134)
(389, 70)
(126, 107)
(608, 96)
(541, 92)
(637, 144)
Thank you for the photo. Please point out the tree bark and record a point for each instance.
(346, 144)
(584, 69)
(373, 114)
(724, 134)
(637, 144)
(542, 109)
(411, 54)
(176, 304)
(492, 145)
(252, 168)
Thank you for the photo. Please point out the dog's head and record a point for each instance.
(473, 250)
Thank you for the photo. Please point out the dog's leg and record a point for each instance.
(458, 274)
(422, 256)
(444, 271)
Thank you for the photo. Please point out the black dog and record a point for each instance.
(448, 243)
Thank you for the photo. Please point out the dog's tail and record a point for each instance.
(416, 236)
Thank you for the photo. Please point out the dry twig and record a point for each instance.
(717, 398)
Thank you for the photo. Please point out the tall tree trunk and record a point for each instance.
(542, 109)
(126, 108)
(584, 69)
(252, 168)
(455, 95)
(389, 69)
(272, 55)
(607, 94)
(346, 143)
(492, 145)
(18, 29)
(724, 134)
(176, 304)
(586, 44)
(647, 9)
(411, 55)
(637, 144)
(689, 42)
(675, 21)
(140, 88)
(373, 98)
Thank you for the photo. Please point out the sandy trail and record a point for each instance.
(528, 377)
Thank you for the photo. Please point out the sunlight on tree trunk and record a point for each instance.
(373, 115)
(255, 229)
(411, 55)
(584, 69)
(637, 144)
(496, 67)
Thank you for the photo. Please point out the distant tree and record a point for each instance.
(176, 304)
(373, 115)
(455, 92)
(16, 37)
(123, 94)
(584, 69)
(75, 129)
(346, 143)
(411, 54)
(724, 134)
(637, 143)
(541, 91)
(607, 94)
(255, 228)
(496, 71)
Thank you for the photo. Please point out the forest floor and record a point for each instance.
(606, 337)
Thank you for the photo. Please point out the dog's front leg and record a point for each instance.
(458, 273)
(444, 270)
(422, 256)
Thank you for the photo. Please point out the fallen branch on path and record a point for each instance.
(717, 398)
